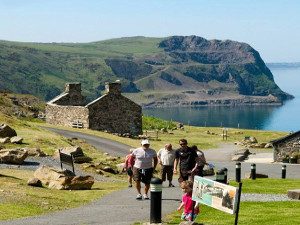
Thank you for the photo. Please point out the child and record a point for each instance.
(187, 202)
(129, 162)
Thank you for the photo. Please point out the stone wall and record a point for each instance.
(66, 115)
(286, 147)
(116, 114)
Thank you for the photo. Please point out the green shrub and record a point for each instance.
(151, 123)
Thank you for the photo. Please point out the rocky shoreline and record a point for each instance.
(248, 100)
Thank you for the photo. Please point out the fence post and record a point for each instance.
(283, 171)
(238, 172)
(253, 171)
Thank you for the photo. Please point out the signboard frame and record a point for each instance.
(217, 195)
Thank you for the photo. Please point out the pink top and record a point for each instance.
(188, 204)
(129, 161)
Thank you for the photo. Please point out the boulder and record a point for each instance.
(13, 156)
(268, 145)
(251, 140)
(63, 179)
(7, 131)
(238, 158)
(16, 140)
(35, 152)
(241, 155)
(76, 151)
(34, 182)
(108, 169)
(294, 194)
(4, 140)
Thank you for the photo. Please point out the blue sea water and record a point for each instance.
(281, 118)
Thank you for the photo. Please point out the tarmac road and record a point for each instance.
(105, 145)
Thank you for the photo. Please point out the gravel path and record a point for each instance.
(265, 198)
(120, 207)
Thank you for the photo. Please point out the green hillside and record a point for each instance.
(191, 68)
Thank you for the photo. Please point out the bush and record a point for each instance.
(151, 123)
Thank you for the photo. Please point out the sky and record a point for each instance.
(272, 27)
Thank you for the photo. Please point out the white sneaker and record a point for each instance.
(139, 197)
(145, 197)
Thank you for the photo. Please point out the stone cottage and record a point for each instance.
(111, 112)
(287, 147)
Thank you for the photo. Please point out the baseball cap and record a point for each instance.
(145, 142)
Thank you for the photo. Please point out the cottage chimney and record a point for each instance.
(73, 88)
(113, 88)
(74, 91)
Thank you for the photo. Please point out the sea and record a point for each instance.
(277, 118)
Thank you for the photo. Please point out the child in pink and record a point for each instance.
(129, 162)
(187, 202)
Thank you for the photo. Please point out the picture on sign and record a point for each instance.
(217, 195)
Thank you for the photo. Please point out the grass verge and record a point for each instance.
(17, 199)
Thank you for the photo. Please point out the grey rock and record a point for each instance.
(13, 156)
(16, 140)
(34, 182)
(4, 140)
(7, 131)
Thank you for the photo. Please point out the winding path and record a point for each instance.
(120, 207)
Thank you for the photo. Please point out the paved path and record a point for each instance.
(120, 207)
(105, 145)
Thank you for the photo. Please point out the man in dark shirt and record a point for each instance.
(187, 159)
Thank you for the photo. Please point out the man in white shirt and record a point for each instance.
(166, 157)
(144, 165)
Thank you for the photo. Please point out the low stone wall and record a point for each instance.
(66, 115)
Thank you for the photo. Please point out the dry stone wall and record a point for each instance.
(66, 115)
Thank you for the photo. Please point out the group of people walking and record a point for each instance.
(185, 161)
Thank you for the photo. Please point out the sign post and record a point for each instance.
(238, 204)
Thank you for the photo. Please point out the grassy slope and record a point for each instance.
(52, 65)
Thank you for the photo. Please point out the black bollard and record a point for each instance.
(155, 202)
(238, 172)
(225, 175)
(221, 176)
(283, 171)
(253, 171)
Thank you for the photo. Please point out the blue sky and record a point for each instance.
(270, 26)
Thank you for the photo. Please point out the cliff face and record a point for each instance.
(224, 61)
(178, 70)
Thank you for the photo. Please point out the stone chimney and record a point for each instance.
(113, 88)
(73, 88)
(74, 91)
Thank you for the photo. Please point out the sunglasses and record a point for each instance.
(183, 144)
